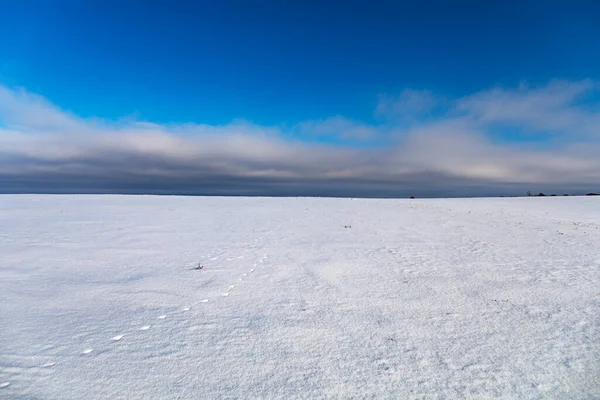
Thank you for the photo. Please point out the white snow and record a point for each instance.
(100, 297)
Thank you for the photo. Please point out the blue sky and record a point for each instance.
(329, 77)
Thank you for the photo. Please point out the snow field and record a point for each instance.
(298, 298)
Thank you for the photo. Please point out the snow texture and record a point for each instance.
(101, 298)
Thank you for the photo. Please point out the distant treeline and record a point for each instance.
(542, 194)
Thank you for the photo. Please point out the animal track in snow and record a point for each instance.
(164, 316)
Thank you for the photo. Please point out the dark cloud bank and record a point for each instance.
(428, 148)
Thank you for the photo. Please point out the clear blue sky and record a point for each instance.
(300, 97)
(274, 62)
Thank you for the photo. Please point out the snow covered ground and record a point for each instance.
(298, 298)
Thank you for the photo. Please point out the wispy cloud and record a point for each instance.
(410, 105)
(44, 148)
(557, 108)
(339, 127)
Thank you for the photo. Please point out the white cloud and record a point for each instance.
(553, 108)
(409, 105)
(452, 154)
(20, 108)
(339, 127)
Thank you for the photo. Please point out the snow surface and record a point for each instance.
(100, 298)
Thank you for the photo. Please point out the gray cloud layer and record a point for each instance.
(434, 148)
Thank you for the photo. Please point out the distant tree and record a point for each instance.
(592, 194)
(529, 193)
(566, 194)
(540, 194)
(412, 197)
